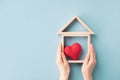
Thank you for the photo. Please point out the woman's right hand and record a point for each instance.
(89, 63)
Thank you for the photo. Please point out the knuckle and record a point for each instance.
(94, 62)
(66, 63)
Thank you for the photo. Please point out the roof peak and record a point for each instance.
(81, 22)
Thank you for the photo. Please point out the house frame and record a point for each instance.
(77, 34)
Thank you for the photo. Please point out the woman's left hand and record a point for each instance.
(62, 64)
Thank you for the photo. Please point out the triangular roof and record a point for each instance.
(81, 22)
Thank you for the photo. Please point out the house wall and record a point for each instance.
(28, 40)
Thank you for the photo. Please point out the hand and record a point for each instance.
(89, 64)
(62, 64)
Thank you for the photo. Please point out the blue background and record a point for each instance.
(28, 40)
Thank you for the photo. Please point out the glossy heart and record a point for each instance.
(73, 51)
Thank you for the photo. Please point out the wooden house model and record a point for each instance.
(74, 34)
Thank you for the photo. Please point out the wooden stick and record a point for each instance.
(75, 33)
(84, 25)
(75, 61)
(89, 41)
(62, 41)
(68, 24)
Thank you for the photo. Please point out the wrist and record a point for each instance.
(87, 76)
(63, 78)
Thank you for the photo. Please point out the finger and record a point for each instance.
(92, 51)
(92, 61)
(59, 54)
(64, 58)
(60, 48)
(59, 58)
(92, 55)
(87, 58)
(89, 50)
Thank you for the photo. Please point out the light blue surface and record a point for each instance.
(28, 40)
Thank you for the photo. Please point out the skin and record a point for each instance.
(89, 64)
(62, 64)
(87, 67)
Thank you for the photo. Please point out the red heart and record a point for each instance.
(73, 51)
